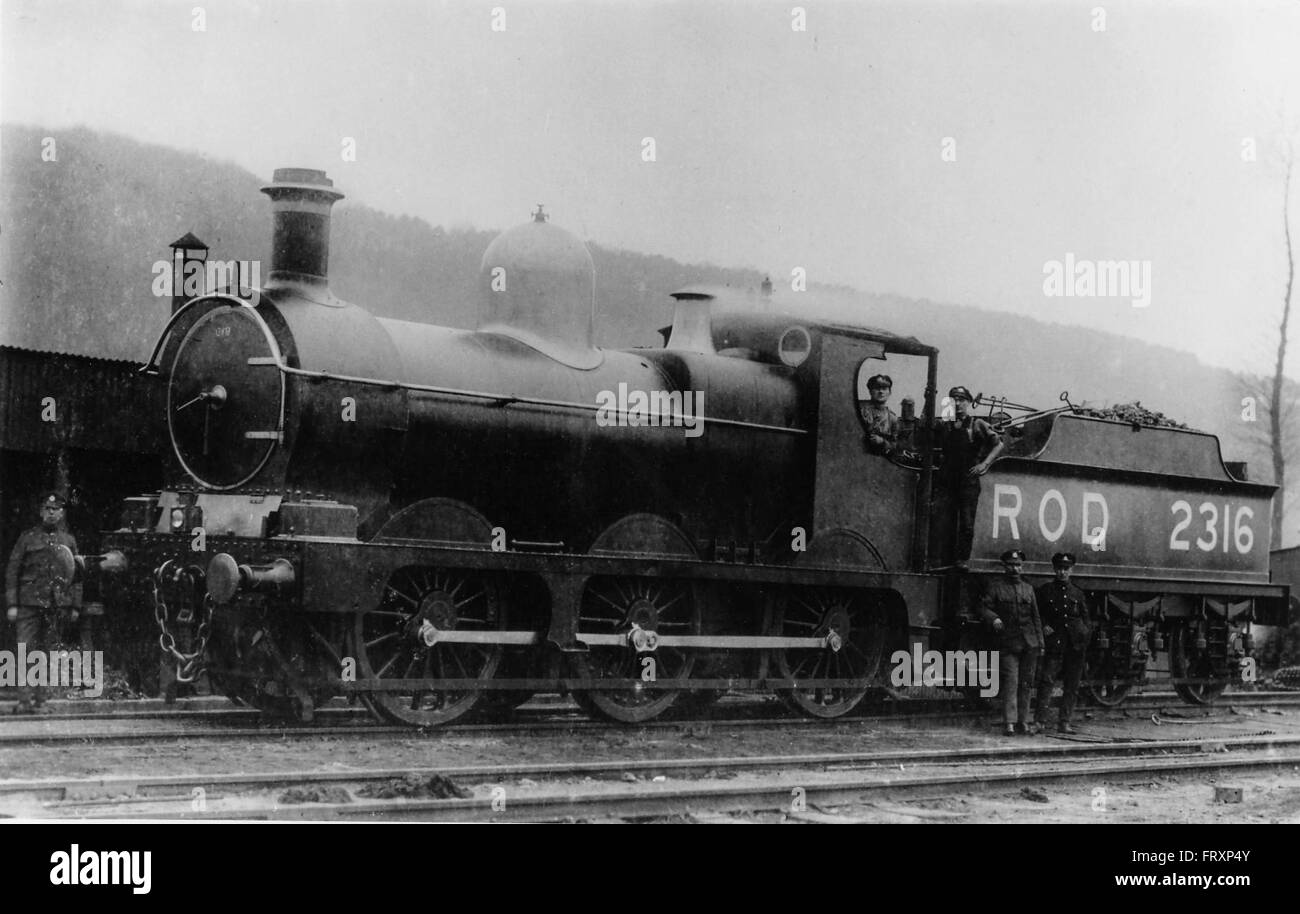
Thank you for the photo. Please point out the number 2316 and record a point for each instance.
(1215, 535)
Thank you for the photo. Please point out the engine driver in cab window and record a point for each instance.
(878, 419)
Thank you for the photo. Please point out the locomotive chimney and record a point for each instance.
(300, 249)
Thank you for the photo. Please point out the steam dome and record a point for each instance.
(538, 286)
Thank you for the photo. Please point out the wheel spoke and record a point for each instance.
(397, 593)
(619, 608)
(794, 674)
(417, 699)
(671, 602)
(815, 611)
(672, 653)
(382, 639)
(853, 647)
(384, 669)
(622, 596)
(455, 658)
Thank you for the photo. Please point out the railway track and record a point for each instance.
(217, 705)
(226, 723)
(640, 788)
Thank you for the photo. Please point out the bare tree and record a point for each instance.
(1258, 436)
(1276, 396)
(1275, 426)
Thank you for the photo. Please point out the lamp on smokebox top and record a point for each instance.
(186, 250)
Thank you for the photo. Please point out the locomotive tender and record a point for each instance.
(435, 519)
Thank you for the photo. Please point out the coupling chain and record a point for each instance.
(189, 666)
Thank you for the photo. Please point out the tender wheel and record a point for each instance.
(392, 642)
(1106, 677)
(863, 638)
(1104, 691)
(1110, 673)
(614, 606)
(1186, 661)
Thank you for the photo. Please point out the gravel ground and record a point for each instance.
(1267, 797)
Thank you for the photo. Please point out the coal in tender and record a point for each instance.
(1133, 413)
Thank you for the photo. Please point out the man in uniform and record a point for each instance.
(881, 423)
(1064, 611)
(38, 586)
(1009, 605)
(969, 445)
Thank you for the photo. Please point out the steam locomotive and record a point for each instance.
(437, 520)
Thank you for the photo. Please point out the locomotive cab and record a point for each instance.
(883, 498)
(881, 502)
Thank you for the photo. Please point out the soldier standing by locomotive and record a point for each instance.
(970, 445)
(38, 586)
(881, 423)
(1010, 606)
(1064, 611)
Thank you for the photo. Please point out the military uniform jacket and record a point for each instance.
(1015, 604)
(1064, 608)
(882, 426)
(33, 577)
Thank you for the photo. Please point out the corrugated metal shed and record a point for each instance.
(55, 400)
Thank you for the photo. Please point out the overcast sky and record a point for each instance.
(1104, 130)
